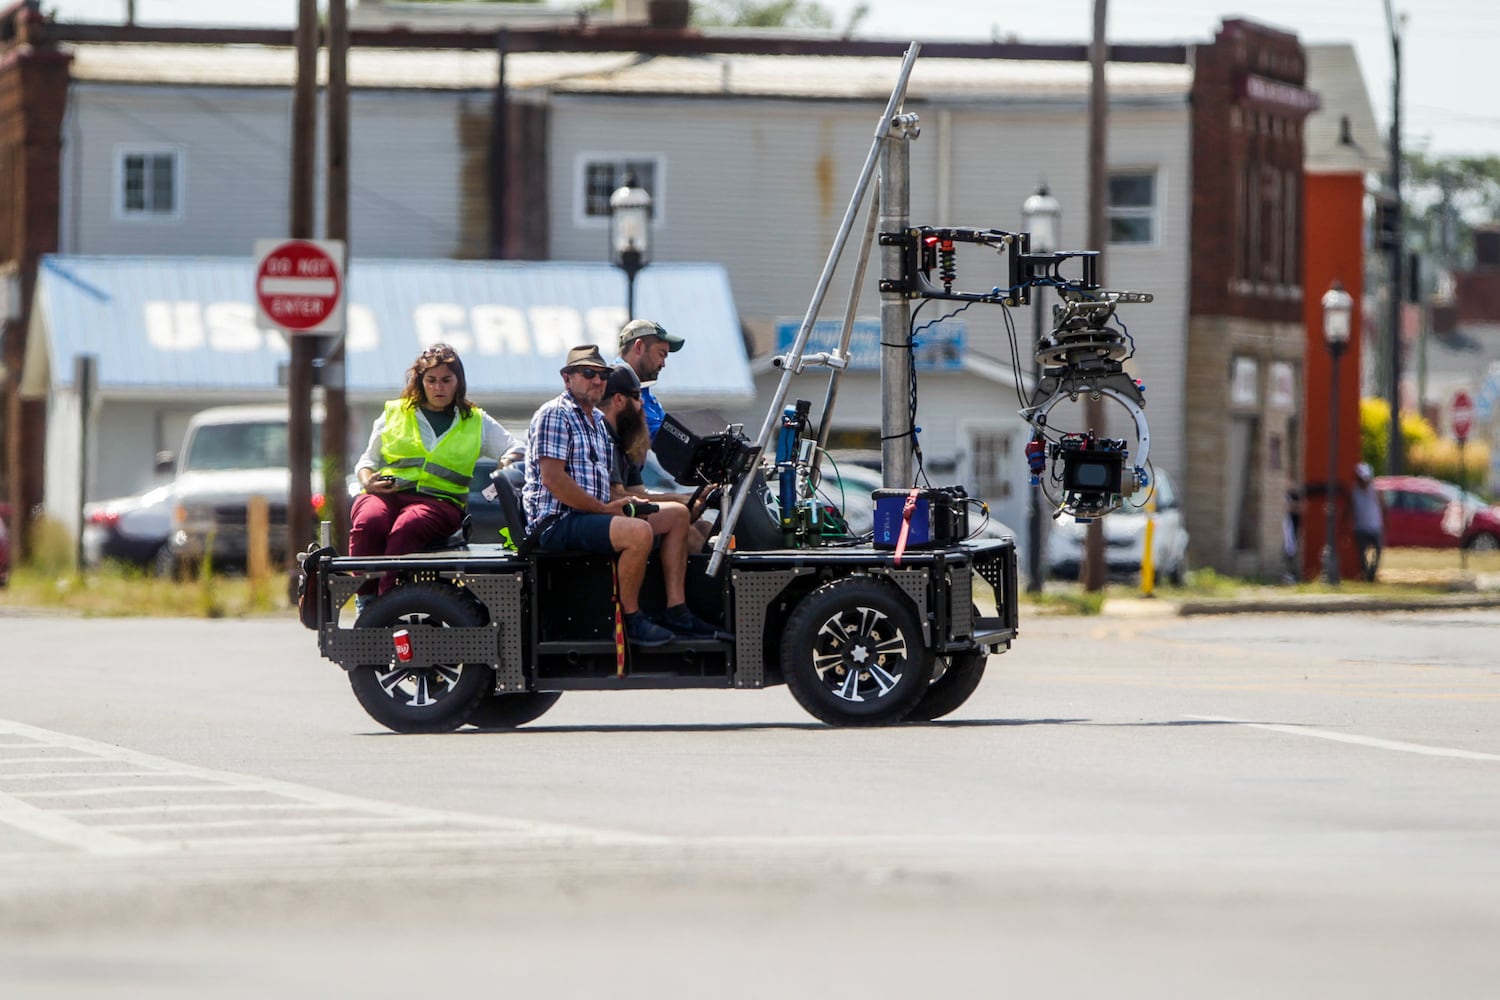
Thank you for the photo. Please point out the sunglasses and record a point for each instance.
(599, 374)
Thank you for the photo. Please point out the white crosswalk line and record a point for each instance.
(252, 803)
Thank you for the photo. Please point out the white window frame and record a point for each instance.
(1006, 463)
(1153, 213)
(178, 155)
(658, 187)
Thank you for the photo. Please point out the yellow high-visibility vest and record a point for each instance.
(446, 470)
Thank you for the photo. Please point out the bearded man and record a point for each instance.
(625, 418)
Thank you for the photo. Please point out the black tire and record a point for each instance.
(1484, 542)
(507, 711)
(1177, 576)
(827, 650)
(436, 699)
(952, 688)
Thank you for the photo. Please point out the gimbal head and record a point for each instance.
(1082, 357)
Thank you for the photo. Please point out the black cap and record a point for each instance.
(622, 378)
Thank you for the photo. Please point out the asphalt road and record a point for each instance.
(1229, 807)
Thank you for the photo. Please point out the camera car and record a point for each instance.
(491, 636)
(864, 629)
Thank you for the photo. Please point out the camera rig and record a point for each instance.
(1083, 356)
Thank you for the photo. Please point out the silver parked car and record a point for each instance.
(130, 530)
(1125, 536)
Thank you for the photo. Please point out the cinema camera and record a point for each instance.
(1083, 357)
(700, 448)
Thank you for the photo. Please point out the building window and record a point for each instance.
(990, 469)
(148, 183)
(600, 175)
(1132, 208)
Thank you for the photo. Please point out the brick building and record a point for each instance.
(33, 97)
(1246, 340)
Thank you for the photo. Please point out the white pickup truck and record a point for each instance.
(230, 454)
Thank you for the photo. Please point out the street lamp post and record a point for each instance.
(1041, 216)
(1338, 307)
(630, 234)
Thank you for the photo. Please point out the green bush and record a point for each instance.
(1426, 453)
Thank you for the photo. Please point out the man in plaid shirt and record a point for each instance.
(577, 503)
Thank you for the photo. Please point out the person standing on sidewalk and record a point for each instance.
(1369, 520)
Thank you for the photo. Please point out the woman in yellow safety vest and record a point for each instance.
(416, 469)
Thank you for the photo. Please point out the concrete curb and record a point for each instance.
(1301, 604)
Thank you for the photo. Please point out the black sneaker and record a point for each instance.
(642, 631)
(681, 620)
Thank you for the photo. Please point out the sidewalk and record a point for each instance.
(1451, 591)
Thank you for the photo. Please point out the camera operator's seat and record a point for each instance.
(514, 529)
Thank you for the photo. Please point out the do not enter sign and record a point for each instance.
(1463, 415)
(299, 284)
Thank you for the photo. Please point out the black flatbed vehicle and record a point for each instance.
(495, 638)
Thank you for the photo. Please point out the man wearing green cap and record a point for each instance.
(644, 346)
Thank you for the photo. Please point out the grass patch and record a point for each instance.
(1065, 600)
(115, 591)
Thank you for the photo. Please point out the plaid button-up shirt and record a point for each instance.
(560, 430)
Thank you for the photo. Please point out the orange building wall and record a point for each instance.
(1334, 243)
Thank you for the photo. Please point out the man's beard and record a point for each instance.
(635, 437)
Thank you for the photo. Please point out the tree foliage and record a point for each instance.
(1446, 197)
(1427, 452)
(762, 14)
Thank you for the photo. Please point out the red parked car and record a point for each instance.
(1426, 513)
(4, 545)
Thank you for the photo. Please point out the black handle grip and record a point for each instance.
(641, 509)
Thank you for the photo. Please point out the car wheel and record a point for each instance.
(960, 679)
(507, 711)
(1484, 543)
(1177, 575)
(163, 562)
(852, 654)
(428, 699)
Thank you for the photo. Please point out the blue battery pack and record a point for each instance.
(890, 514)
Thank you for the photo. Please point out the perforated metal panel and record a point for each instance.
(368, 647)
(913, 582)
(754, 593)
(960, 603)
(499, 643)
(501, 594)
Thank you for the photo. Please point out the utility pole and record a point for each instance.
(1093, 571)
(1395, 461)
(335, 398)
(304, 348)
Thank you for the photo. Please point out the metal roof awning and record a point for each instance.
(159, 325)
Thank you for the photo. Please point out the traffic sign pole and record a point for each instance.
(299, 288)
(1463, 423)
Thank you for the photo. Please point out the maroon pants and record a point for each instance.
(398, 523)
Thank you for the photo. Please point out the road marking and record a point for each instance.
(378, 820)
(1365, 741)
(60, 829)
